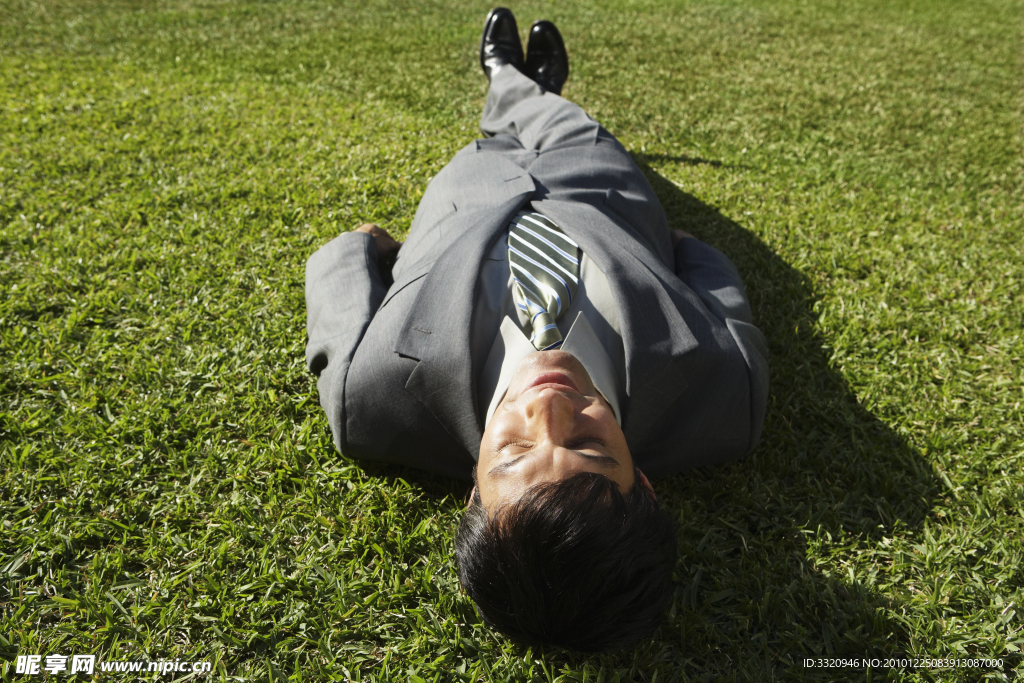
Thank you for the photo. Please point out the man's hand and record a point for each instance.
(387, 246)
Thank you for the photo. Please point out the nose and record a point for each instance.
(551, 412)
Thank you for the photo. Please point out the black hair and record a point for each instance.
(572, 563)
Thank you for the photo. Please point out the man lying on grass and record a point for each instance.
(543, 331)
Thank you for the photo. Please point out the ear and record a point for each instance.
(472, 494)
(646, 484)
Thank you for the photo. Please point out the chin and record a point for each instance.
(553, 359)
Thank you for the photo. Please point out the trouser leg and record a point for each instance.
(539, 120)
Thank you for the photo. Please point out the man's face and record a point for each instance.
(551, 425)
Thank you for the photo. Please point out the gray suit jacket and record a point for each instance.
(396, 376)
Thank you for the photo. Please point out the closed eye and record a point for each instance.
(513, 442)
(586, 441)
(582, 442)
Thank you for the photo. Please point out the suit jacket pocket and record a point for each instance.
(482, 179)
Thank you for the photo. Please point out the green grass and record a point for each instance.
(168, 487)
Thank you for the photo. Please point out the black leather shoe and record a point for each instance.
(547, 62)
(499, 45)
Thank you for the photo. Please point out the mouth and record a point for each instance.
(554, 380)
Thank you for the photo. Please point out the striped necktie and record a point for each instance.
(545, 265)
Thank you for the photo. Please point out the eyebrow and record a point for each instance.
(605, 461)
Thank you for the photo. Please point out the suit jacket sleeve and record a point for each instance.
(343, 292)
(714, 278)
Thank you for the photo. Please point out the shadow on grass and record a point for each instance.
(828, 476)
(434, 487)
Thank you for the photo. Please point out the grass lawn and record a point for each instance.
(168, 485)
